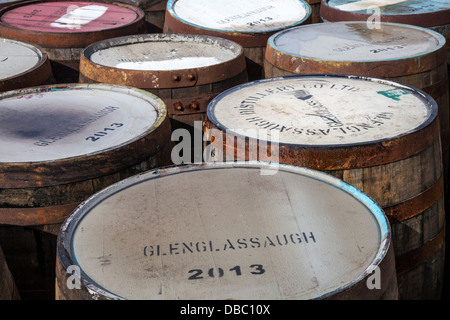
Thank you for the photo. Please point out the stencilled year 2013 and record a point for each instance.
(256, 22)
(105, 131)
(198, 274)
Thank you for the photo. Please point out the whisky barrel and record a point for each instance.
(65, 142)
(378, 135)
(408, 54)
(22, 65)
(8, 289)
(185, 71)
(64, 28)
(248, 23)
(219, 238)
(433, 15)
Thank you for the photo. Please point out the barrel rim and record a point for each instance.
(204, 74)
(426, 19)
(156, 37)
(431, 105)
(438, 36)
(171, 11)
(155, 101)
(65, 245)
(43, 57)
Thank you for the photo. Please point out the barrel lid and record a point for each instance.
(322, 110)
(17, 57)
(233, 233)
(414, 12)
(51, 123)
(68, 16)
(356, 42)
(250, 16)
(162, 52)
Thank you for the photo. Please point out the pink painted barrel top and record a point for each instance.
(68, 16)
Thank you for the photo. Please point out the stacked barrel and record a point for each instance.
(196, 149)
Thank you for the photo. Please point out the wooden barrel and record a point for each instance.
(66, 142)
(378, 135)
(220, 238)
(64, 28)
(22, 65)
(404, 53)
(185, 71)
(434, 15)
(8, 289)
(248, 23)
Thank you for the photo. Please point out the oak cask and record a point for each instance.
(408, 54)
(65, 142)
(185, 71)
(378, 135)
(434, 15)
(238, 231)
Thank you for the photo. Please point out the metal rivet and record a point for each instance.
(194, 105)
(178, 106)
(176, 77)
(191, 77)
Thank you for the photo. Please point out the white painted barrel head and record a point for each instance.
(162, 52)
(390, 7)
(233, 233)
(45, 124)
(250, 16)
(322, 110)
(355, 41)
(17, 58)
